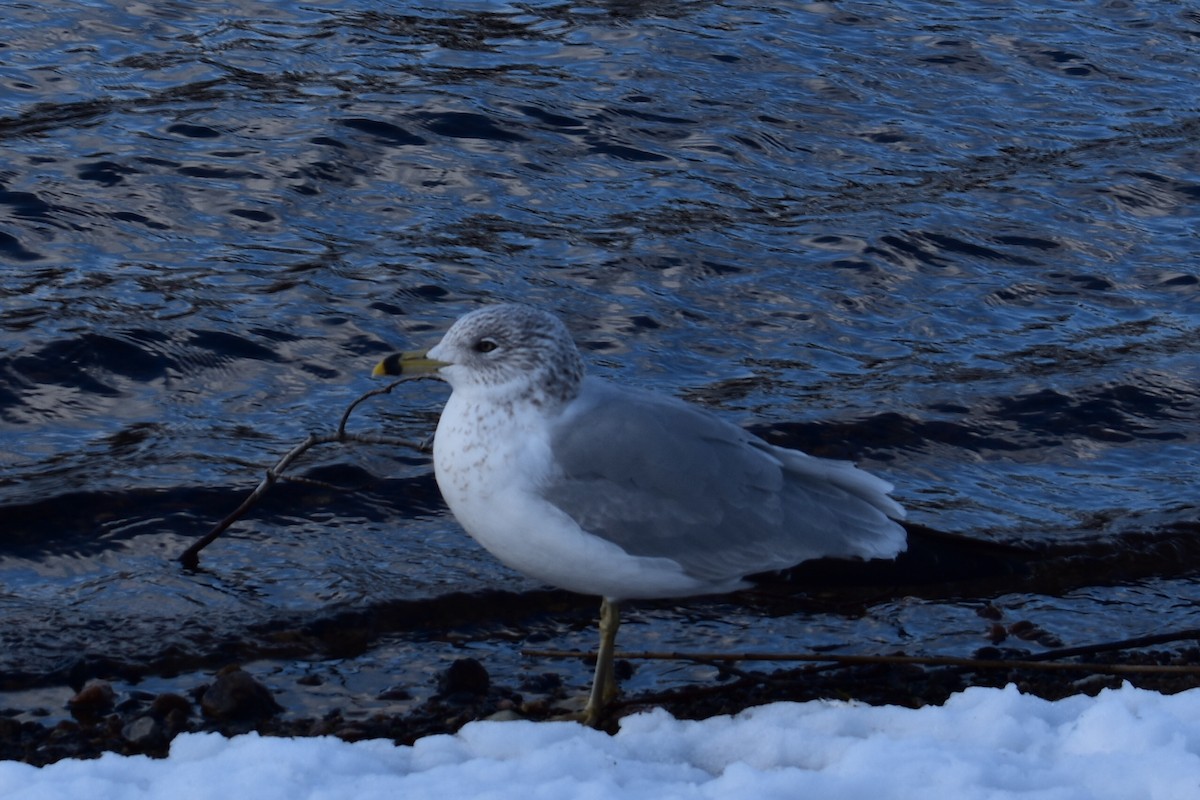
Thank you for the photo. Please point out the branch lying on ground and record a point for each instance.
(190, 558)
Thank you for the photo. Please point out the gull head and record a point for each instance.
(513, 352)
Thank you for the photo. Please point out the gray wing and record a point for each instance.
(661, 478)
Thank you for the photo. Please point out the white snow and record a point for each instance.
(1125, 744)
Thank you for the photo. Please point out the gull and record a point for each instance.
(619, 492)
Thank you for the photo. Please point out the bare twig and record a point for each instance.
(341, 428)
(855, 660)
(190, 558)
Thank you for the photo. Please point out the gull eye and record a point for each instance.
(485, 346)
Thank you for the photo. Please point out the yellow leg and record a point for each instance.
(604, 686)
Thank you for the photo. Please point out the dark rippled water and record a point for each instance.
(953, 240)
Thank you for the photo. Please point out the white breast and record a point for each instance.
(489, 462)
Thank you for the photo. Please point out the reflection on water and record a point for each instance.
(953, 244)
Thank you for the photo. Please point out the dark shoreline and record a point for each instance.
(141, 724)
(218, 696)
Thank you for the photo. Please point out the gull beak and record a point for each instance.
(410, 362)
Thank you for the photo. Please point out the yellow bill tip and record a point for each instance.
(410, 362)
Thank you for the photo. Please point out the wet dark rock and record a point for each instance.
(1092, 684)
(327, 725)
(545, 683)
(353, 732)
(87, 668)
(990, 653)
(175, 723)
(466, 676)
(168, 704)
(145, 733)
(395, 693)
(504, 715)
(236, 695)
(9, 728)
(94, 699)
(1031, 632)
(64, 730)
(989, 611)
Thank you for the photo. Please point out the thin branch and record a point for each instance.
(341, 428)
(853, 660)
(190, 558)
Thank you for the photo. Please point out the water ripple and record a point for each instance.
(954, 243)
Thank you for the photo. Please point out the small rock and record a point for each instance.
(168, 703)
(323, 727)
(235, 695)
(9, 729)
(1032, 632)
(351, 733)
(144, 732)
(175, 722)
(535, 708)
(989, 611)
(1092, 684)
(64, 730)
(504, 715)
(1022, 628)
(543, 683)
(395, 692)
(464, 676)
(95, 698)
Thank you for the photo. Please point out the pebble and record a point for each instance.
(170, 704)
(9, 728)
(465, 676)
(95, 698)
(236, 695)
(144, 732)
(504, 715)
(395, 693)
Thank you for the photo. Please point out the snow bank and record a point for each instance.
(1126, 744)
